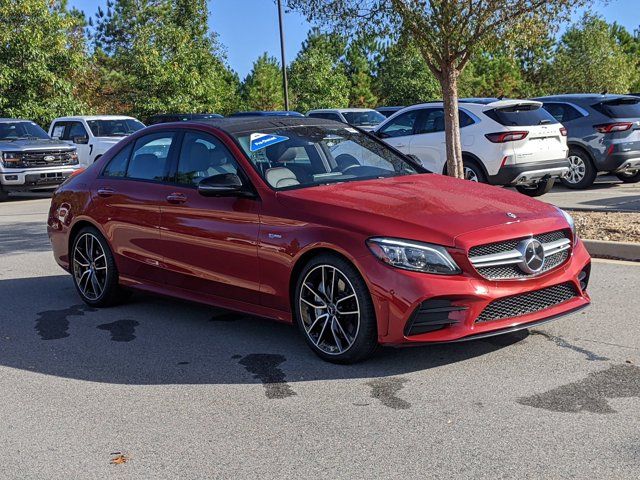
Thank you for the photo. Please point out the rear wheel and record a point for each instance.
(333, 309)
(629, 177)
(473, 172)
(582, 172)
(538, 189)
(94, 270)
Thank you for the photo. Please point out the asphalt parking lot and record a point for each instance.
(187, 391)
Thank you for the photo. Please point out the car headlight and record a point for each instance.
(415, 256)
(11, 159)
(571, 223)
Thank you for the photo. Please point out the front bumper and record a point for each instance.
(20, 180)
(530, 173)
(459, 300)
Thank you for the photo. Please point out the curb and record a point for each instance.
(619, 250)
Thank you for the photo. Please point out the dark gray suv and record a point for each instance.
(603, 135)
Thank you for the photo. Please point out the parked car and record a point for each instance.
(388, 111)
(257, 215)
(604, 135)
(504, 142)
(30, 159)
(364, 118)
(267, 113)
(93, 135)
(180, 117)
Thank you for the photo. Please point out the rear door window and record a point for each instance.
(521, 116)
(562, 112)
(620, 108)
(430, 120)
(149, 160)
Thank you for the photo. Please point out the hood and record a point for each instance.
(427, 207)
(31, 144)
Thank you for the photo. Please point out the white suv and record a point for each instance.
(364, 118)
(504, 142)
(93, 135)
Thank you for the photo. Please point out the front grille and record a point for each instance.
(526, 303)
(512, 271)
(37, 159)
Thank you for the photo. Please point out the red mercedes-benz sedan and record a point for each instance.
(268, 217)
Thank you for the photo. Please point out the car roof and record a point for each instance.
(342, 110)
(95, 117)
(267, 113)
(390, 107)
(586, 97)
(7, 120)
(239, 125)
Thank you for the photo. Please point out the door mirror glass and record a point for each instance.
(81, 140)
(223, 184)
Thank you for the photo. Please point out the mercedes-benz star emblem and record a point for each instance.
(511, 215)
(532, 256)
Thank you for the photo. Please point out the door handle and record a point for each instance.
(176, 198)
(106, 192)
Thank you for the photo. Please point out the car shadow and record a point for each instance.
(45, 329)
(24, 237)
(622, 203)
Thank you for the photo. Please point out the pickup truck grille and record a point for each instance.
(48, 159)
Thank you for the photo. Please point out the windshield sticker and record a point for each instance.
(258, 141)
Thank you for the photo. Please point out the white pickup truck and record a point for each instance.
(93, 135)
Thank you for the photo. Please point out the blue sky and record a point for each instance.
(247, 28)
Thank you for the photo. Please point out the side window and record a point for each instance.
(401, 125)
(117, 166)
(465, 119)
(58, 130)
(556, 110)
(150, 155)
(75, 129)
(326, 116)
(570, 113)
(431, 121)
(201, 156)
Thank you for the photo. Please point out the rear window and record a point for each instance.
(521, 116)
(620, 108)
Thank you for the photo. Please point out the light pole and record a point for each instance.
(285, 85)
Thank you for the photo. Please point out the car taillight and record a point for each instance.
(563, 132)
(502, 137)
(613, 127)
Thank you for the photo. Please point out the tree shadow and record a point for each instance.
(154, 340)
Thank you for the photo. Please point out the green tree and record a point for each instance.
(317, 77)
(403, 77)
(630, 44)
(589, 59)
(262, 89)
(165, 58)
(493, 75)
(358, 68)
(448, 34)
(42, 53)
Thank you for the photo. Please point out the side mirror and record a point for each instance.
(81, 140)
(224, 184)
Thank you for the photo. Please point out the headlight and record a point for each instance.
(416, 256)
(11, 159)
(571, 223)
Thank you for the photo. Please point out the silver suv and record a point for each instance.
(30, 159)
(603, 135)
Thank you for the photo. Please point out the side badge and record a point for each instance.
(511, 215)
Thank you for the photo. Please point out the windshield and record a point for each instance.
(620, 108)
(305, 156)
(21, 130)
(114, 128)
(366, 118)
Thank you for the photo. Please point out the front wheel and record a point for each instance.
(94, 269)
(333, 310)
(538, 189)
(629, 177)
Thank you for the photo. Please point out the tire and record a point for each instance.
(583, 173)
(539, 189)
(473, 172)
(94, 270)
(333, 334)
(629, 177)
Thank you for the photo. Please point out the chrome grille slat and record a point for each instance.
(529, 302)
(499, 260)
(36, 159)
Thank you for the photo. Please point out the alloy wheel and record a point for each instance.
(471, 175)
(329, 309)
(577, 169)
(90, 266)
